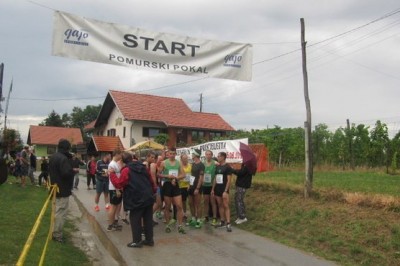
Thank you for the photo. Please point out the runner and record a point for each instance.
(196, 181)
(209, 176)
(222, 181)
(171, 173)
(115, 194)
(184, 183)
(102, 182)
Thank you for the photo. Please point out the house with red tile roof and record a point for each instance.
(135, 117)
(104, 144)
(45, 139)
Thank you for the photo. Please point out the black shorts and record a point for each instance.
(206, 190)
(192, 189)
(114, 200)
(218, 191)
(169, 190)
(184, 193)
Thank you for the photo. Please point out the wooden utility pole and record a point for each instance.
(307, 125)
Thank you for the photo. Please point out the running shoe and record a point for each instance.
(159, 215)
(181, 229)
(214, 222)
(125, 221)
(96, 208)
(240, 221)
(110, 228)
(221, 224)
(108, 207)
(198, 224)
(228, 228)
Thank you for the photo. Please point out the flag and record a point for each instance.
(1, 81)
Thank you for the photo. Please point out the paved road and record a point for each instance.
(205, 246)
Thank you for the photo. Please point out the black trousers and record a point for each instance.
(135, 217)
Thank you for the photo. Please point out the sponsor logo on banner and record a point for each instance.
(76, 37)
(96, 41)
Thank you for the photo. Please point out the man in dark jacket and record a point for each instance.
(62, 175)
(243, 182)
(138, 198)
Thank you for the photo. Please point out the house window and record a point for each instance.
(51, 150)
(151, 132)
(111, 132)
(215, 135)
(197, 135)
(124, 132)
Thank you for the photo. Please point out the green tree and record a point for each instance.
(53, 120)
(161, 138)
(11, 140)
(379, 147)
(321, 138)
(361, 145)
(338, 152)
(81, 117)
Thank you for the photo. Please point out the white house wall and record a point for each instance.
(134, 129)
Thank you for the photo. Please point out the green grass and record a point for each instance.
(347, 234)
(349, 181)
(20, 209)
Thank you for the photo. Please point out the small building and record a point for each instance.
(135, 117)
(45, 139)
(99, 145)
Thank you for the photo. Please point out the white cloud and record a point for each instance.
(354, 76)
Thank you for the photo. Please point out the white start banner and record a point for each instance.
(92, 40)
(231, 147)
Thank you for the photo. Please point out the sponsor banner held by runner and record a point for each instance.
(231, 147)
(92, 40)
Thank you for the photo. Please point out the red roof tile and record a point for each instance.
(51, 135)
(106, 143)
(172, 111)
(89, 126)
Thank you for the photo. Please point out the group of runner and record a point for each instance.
(203, 185)
(181, 181)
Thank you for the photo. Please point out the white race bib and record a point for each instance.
(219, 178)
(207, 178)
(187, 177)
(192, 178)
(173, 172)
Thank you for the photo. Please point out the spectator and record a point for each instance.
(62, 175)
(44, 169)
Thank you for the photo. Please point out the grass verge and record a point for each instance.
(20, 209)
(329, 224)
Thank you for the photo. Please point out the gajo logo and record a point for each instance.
(76, 37)
(233, 60)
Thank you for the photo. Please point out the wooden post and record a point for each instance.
(307, 125)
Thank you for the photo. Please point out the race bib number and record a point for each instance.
(219, 179)
(207, 178)
(173, 172)
(192, 178)
(187, 177)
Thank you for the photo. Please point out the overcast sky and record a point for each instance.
(353, 76)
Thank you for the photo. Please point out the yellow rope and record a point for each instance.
(28, 243)
(49, 235)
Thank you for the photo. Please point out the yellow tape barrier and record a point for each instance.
(28, 244)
